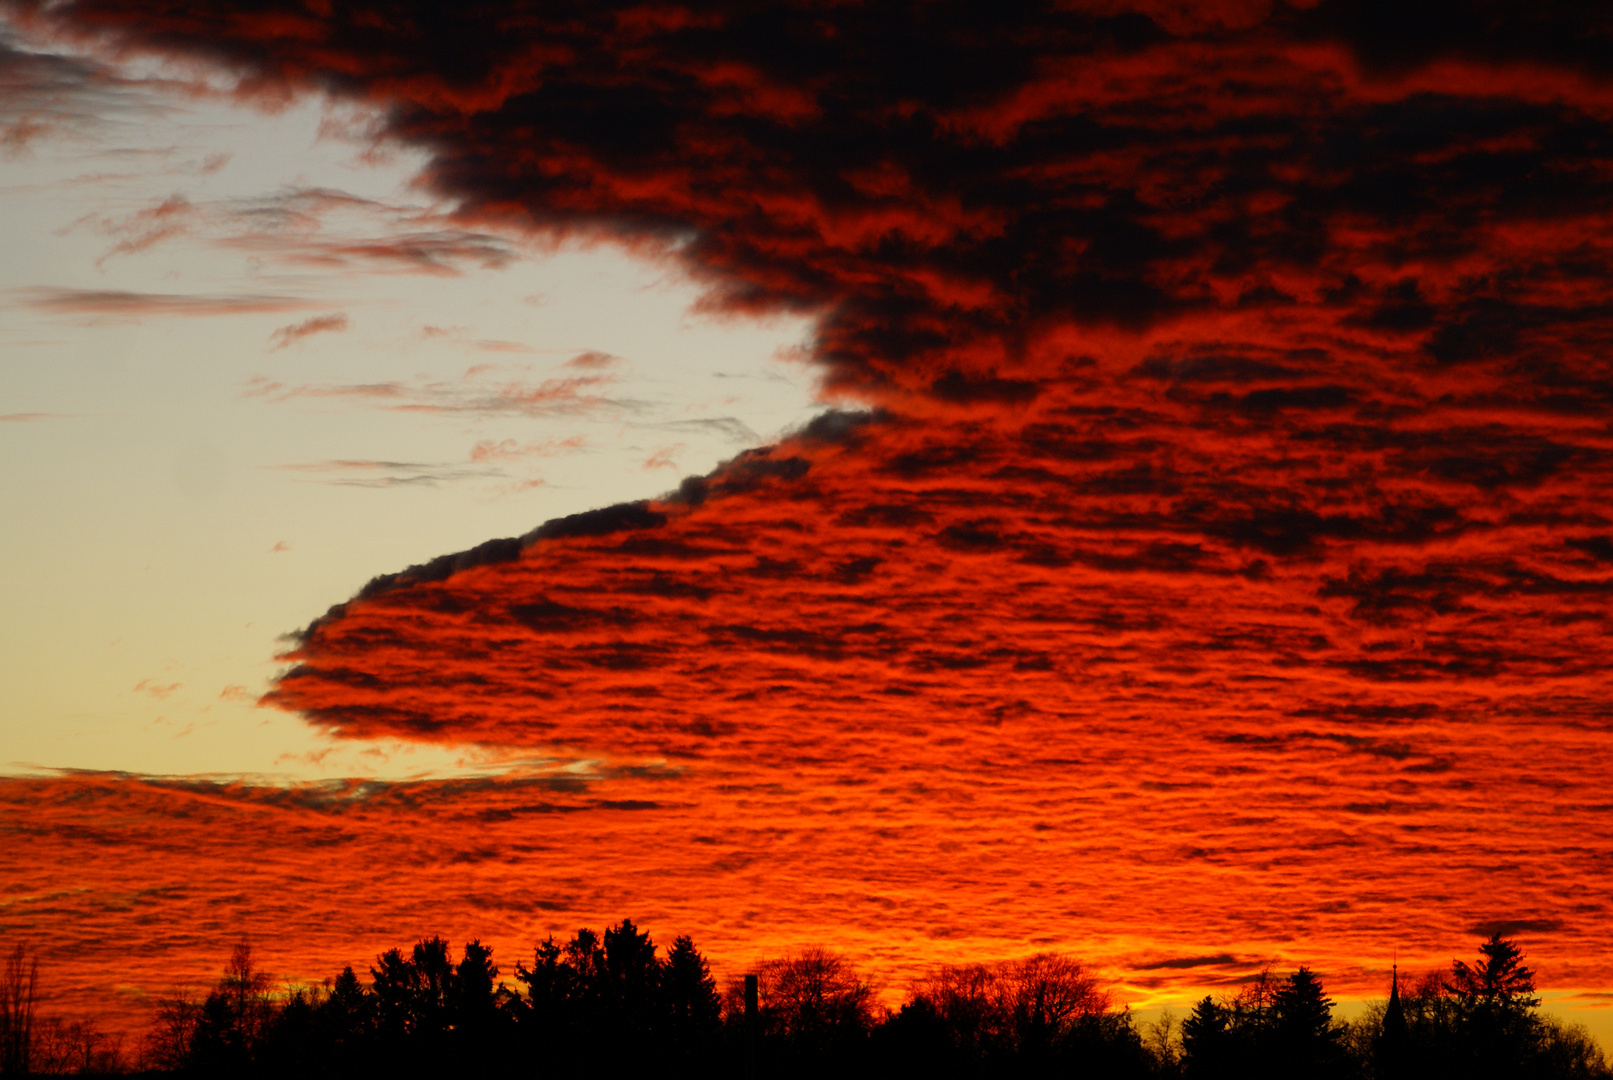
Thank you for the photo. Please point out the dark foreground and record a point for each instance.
(612, 1004)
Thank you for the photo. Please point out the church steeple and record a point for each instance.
(1394, 1037)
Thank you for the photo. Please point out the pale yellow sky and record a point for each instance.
(246, 366)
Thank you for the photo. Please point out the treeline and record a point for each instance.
(614, 1004)
(31, 1043)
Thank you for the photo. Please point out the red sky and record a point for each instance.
(1208, 563)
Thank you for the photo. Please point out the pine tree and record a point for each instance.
(1304, 1040)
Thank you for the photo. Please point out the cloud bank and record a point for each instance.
(1229, 529)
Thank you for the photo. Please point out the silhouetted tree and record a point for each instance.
(966, 1000)
(816, 1009)
(630, 990)
(1163, 1040)
(294, 1042)
(19, 993)
(610, 1002)
(1479, 1021)
(1208, 1051)
(1045, 1012)
(348, 1014)
(1569, 1052)
(1304, 1041)
(917, 1040)
(216, 1048)
(473, 993)
(1043, 997)
(1498, 980)
(562, 1011)
(167, 1044)
(1105, 1044)
(423, 1012)
(1495, 1006)
(63, 1047)
(246, 989)
(691, 1008)
(232, 1018)
(609, 1005)
(1271, 1028)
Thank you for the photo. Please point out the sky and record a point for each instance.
(1118, 478)
(248, 364)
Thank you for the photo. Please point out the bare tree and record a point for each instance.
(965, 998)
(247, 990)
(63, 1047)
(812, 997)
(1046, 993)
(167, 1044)
(19, 992)
(1164, 1042)
(1258, 995)
(1013, 1004)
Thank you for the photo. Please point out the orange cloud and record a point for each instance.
(158, 690)
(664, 457)
(511, 450)
(1219, 573)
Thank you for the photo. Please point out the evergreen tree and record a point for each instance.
(690, 1006)
(1499, 1030)
(1498, 980)
(1207, 1042)
(1304, 1042)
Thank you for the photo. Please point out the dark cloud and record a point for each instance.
(947, 225)
(1184, 962)
(1514, 927)
(1394, 38)
(44, 94)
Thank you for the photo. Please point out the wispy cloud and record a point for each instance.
(730, 428)
(514, 450)
(47, 94)
(317, 324)
(313, 227)
(664, 457)
(472, 395)
(144, 229)
(383, 474)
(122, 303)
(593, 360)
(159, 690)
(19, 134)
